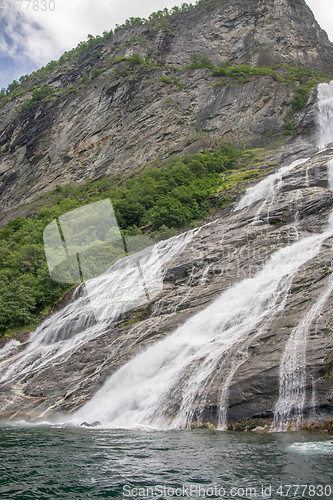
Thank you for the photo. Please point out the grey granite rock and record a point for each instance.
(127, 117)
(233, 249)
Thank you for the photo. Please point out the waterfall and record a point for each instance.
(307, 178)
(325, 115)
(166, 385)
(204, 277)
(330, 174)
(272, 184)
(292, 392)
(110, 295)
(163, 386)
(179, 366)
(289, 408)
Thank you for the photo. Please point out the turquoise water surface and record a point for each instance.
(43, 462)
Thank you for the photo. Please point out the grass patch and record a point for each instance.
(171, 81)
(201, 61)
(302, 95)
(289, 127)
(243, 71)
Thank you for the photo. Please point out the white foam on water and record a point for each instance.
(312, 448)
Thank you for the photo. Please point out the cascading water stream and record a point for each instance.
(290, 406)
(272, 184)
(139, 393)
(204, 278)
(293, 381)
(113, 293)
(269, 186)
(325, 115)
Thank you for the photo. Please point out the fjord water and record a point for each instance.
(75, 463)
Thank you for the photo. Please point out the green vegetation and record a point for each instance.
(239, 72)
(283, 73)
(243, 71)
(91, 47)
(134, 60)
(38, 95)
(136, 315)
(156, 203)
(249, 424)
(302, 79)
(302, 95)
(25, 285)
(171, 80)
(200, 61)
(158, 21)
(96, 72)
(85, 77)
(289, 127)
(205, 425)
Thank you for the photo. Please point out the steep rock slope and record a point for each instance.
(127, 117)
(71, 356)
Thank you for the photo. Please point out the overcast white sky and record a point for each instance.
(32, 32)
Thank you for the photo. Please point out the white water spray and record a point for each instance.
(325, 115)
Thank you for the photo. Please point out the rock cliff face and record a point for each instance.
(121, 121)
(43, 382)
(127, 117)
